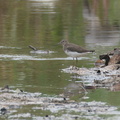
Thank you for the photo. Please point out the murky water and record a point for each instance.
(43, 23)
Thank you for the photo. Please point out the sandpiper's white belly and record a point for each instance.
(73, 54)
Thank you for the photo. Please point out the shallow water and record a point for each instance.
(42, 24)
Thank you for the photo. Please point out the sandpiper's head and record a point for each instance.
(63, 42)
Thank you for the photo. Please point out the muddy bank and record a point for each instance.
(98, 77)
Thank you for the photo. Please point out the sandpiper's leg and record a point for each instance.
(76, 59)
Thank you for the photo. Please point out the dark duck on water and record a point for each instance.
(115, 59)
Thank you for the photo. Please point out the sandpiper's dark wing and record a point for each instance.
(77, 48)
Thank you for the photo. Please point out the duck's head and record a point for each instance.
(105, 57)
(63, 42)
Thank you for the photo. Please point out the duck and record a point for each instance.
(115, 59)
(105, 59)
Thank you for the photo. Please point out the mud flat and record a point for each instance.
(11, 100)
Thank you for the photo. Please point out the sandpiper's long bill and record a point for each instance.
(73, 50)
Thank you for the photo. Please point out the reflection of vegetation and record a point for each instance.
(72, 19)
(113, 12)
(107, 10)
(22, 26)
